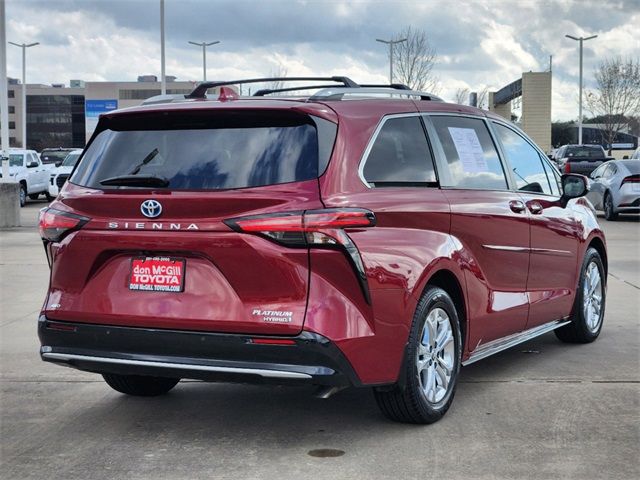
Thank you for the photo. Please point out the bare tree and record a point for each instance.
(279, 72)
(616, 97)
(483, 98)
(413, 60)
(462, 96)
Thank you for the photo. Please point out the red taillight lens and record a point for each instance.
(55, 224)
(631, 179)
(567, 167)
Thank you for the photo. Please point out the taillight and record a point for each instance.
(567, 167)
(631, 179)
(55, 224)
(313, 228)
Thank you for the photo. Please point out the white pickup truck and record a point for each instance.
(26, 169)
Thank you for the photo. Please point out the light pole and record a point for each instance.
(581, 40)
(391, 43)
(204, 46)
(24, 47)
(163, 80)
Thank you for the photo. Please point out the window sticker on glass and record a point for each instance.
(469, 149)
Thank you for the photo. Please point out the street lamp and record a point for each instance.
(204, 46)
(391, 43)
(163, 79)
(24, 47)
(581, 40)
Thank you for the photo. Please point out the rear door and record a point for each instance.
(156, 190)
(489, 221)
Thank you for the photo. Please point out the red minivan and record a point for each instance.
(359, 236)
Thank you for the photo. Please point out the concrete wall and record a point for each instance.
(536, 107)
(9, 205)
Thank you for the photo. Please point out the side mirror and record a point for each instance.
(33, 164)
(573, 186)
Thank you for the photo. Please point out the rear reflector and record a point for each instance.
(55, 224)
(271, 341)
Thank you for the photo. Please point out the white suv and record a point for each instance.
(26, 169)
(60, 174)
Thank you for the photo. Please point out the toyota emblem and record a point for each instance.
(151, 208)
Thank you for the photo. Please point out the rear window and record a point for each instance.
(53, 156)
(585, 152)
(71, 160)
(208, 151)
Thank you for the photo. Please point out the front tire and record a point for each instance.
(609, 210)
(430, 371)
(140, 386)
(588, 308)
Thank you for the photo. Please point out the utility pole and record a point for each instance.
(4, 101)
(163, 79)
(204, 46)
(24, 47)
(391, 43)
(581, 40)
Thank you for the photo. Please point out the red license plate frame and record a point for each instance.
(157, 274)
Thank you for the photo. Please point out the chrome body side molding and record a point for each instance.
(509, 341)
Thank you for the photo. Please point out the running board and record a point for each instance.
(500, 344)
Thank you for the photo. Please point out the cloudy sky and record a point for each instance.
(479, 43)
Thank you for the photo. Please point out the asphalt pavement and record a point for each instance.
(542, 410)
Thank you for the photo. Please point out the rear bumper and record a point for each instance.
(311, 359)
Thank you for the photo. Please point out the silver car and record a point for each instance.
(615, 188)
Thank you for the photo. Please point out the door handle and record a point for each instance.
(517, 206)
(535, 208)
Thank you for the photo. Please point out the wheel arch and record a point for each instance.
(597, 243)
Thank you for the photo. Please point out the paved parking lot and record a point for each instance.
(541, 410)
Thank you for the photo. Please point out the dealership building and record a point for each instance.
(65, 116)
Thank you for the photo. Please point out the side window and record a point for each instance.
(600, 171)
(471, 156)
(30, 159)
(611, 170)
(524, 160)
(552, 175)
(400, 155)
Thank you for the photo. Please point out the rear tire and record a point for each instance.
(588, 310)
(140, 386)
(609, 210)
(424, 392)
(23, 194)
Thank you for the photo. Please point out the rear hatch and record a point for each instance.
(153, 250)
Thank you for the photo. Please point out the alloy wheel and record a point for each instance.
(436, 355)
(592, 297)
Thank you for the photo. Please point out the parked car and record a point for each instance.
(53, 157)
(636, 154)
(615, 188)
(60, 174)
(582, 159)
(26, 169)
(339, 239)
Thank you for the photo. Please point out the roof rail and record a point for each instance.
(201, 90)
(337, 93)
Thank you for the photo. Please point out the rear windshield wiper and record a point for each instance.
(136, 181)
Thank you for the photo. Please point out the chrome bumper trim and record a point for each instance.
(65, 357)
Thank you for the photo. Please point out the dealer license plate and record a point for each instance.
(157, 274)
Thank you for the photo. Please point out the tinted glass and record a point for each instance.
(524, 161)
(584, 151)
(71, 160)
(400, 155)
(53, 156)
(553, 176)
(204, 152)
(16, 160)
(470, 153)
